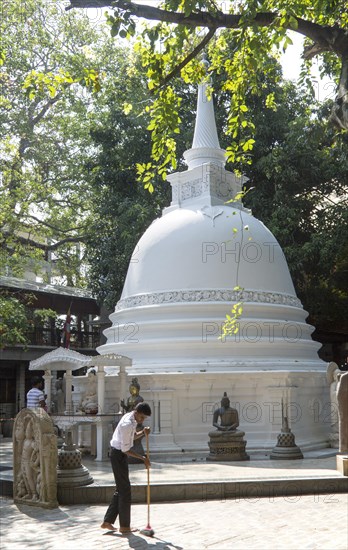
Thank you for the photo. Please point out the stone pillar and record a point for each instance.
(48, 389)
(102, 440)
(20, 389)
(68, 393)
(123, 383)
(101, 390)
(53, 408)
(156, 419)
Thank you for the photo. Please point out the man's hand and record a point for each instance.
(143, 432)
(146, 462)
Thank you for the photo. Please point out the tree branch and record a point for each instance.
(56, 229)
(339, 114)
(187, 59)
(45, 247)
(34, 120)
(326, 36)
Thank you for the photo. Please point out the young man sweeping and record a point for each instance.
(121, 443)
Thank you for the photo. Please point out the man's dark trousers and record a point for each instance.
(121, 500)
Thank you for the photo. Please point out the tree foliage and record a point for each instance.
(44, 136)
(19, 317)
(300, 181)
(258, 30)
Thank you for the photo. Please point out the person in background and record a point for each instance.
(35, 396)
(121, 447)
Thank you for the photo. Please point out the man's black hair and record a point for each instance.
(36, 380)
(143, 408)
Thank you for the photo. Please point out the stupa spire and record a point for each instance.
(206, 182)
(205, 145)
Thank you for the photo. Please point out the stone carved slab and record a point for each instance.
(342, 398)
(332, 376)
(34, 459)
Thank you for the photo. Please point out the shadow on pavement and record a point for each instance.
(32, 512)
(140, 543)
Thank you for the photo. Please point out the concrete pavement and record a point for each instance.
(311, 516)
(191, 477)
(291, 523)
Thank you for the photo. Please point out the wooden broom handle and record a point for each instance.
(148, 480)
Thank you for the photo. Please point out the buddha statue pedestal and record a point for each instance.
(227, 446)
(226, 442)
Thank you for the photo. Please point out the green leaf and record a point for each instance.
(127, 107)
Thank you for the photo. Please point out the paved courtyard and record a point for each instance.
(307, 522)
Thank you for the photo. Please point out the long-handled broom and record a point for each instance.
(148, 531)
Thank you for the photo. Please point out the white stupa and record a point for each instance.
(178, 289)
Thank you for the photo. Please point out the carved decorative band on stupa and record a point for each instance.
(216, 295)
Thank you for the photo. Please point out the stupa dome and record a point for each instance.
(207, 248)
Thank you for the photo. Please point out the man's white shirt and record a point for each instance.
(34, 396)
(123, 436)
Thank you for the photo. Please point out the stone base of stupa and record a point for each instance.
(183, 405)
(227, 446)
(75, 477)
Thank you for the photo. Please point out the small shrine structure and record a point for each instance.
(78, 403)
